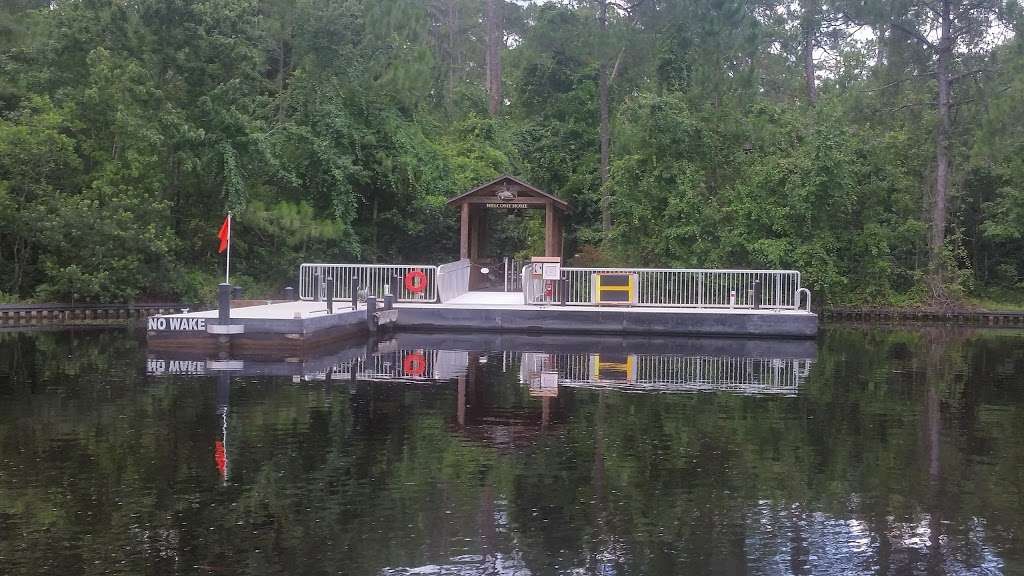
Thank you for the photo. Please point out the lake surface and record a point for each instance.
(874, 450)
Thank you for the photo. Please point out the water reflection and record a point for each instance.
(894, 452)
(546, 362)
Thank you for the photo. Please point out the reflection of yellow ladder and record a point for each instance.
(614, 288)
(613, 368)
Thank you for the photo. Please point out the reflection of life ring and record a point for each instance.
(416, 281)
(414, 364)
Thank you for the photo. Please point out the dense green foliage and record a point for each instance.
(335, 130)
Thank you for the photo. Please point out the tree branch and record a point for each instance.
(615, 68)
(910, 105)
(933, 9)
(956, 77)
(916, 35)
(895, 82)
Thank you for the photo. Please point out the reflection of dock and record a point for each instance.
(545, 373)
(546, 363)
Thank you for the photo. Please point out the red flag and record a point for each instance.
(220, 457)
(224, 234)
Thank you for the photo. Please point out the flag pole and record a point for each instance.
(227, 269)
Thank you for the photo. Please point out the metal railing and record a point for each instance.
(689, 288)
(453, 279)
(374, 278)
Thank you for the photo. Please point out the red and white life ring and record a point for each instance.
(415, 281)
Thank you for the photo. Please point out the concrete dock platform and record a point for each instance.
(292, 326)
(286, 327)
(608, 320)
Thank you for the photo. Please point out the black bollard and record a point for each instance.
(330, 294)
(289, 293)
(389, 301)
(355, 292)
(316, 286)
(563, 292)
(371, 313)
(757, 293)
(396, 286)
(224, 301)
(236, 292)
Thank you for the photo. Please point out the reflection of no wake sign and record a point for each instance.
(414, 364)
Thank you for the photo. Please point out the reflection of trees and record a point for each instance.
(897, 435)
(870, 438)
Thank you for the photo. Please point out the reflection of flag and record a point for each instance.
(221, 458)
(224, 234)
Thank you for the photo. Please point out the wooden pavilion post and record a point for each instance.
(464, 233)
(550, 231)
(476, 231)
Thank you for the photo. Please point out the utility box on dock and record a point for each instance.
(614, 288)
(545, 273)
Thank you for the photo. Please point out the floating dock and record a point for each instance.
(294, 326)
(468, 313)
(471, 295)
(286, 328)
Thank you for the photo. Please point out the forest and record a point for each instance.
(875, 145)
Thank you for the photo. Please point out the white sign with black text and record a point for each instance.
(176, 324)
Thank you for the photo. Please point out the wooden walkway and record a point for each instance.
(15, 314)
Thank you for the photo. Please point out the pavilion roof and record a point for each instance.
(518, 186)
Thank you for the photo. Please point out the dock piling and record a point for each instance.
(224, 301)
(371, 313)
(396, 283)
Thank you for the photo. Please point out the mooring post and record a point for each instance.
(396, 285)
(316, 286)
(224, 301)
(355, 292)
(289, 293)
(757, 293)
(371, 313)
(563, 293)
(330, 294)
(389, 301)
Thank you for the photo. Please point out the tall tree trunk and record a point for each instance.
(606, 199)
(809, 29)
(452, 26)
(495, 42)
(937, 237)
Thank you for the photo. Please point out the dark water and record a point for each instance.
(877, 451)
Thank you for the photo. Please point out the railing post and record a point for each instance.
(355, 292)
(330, 294)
